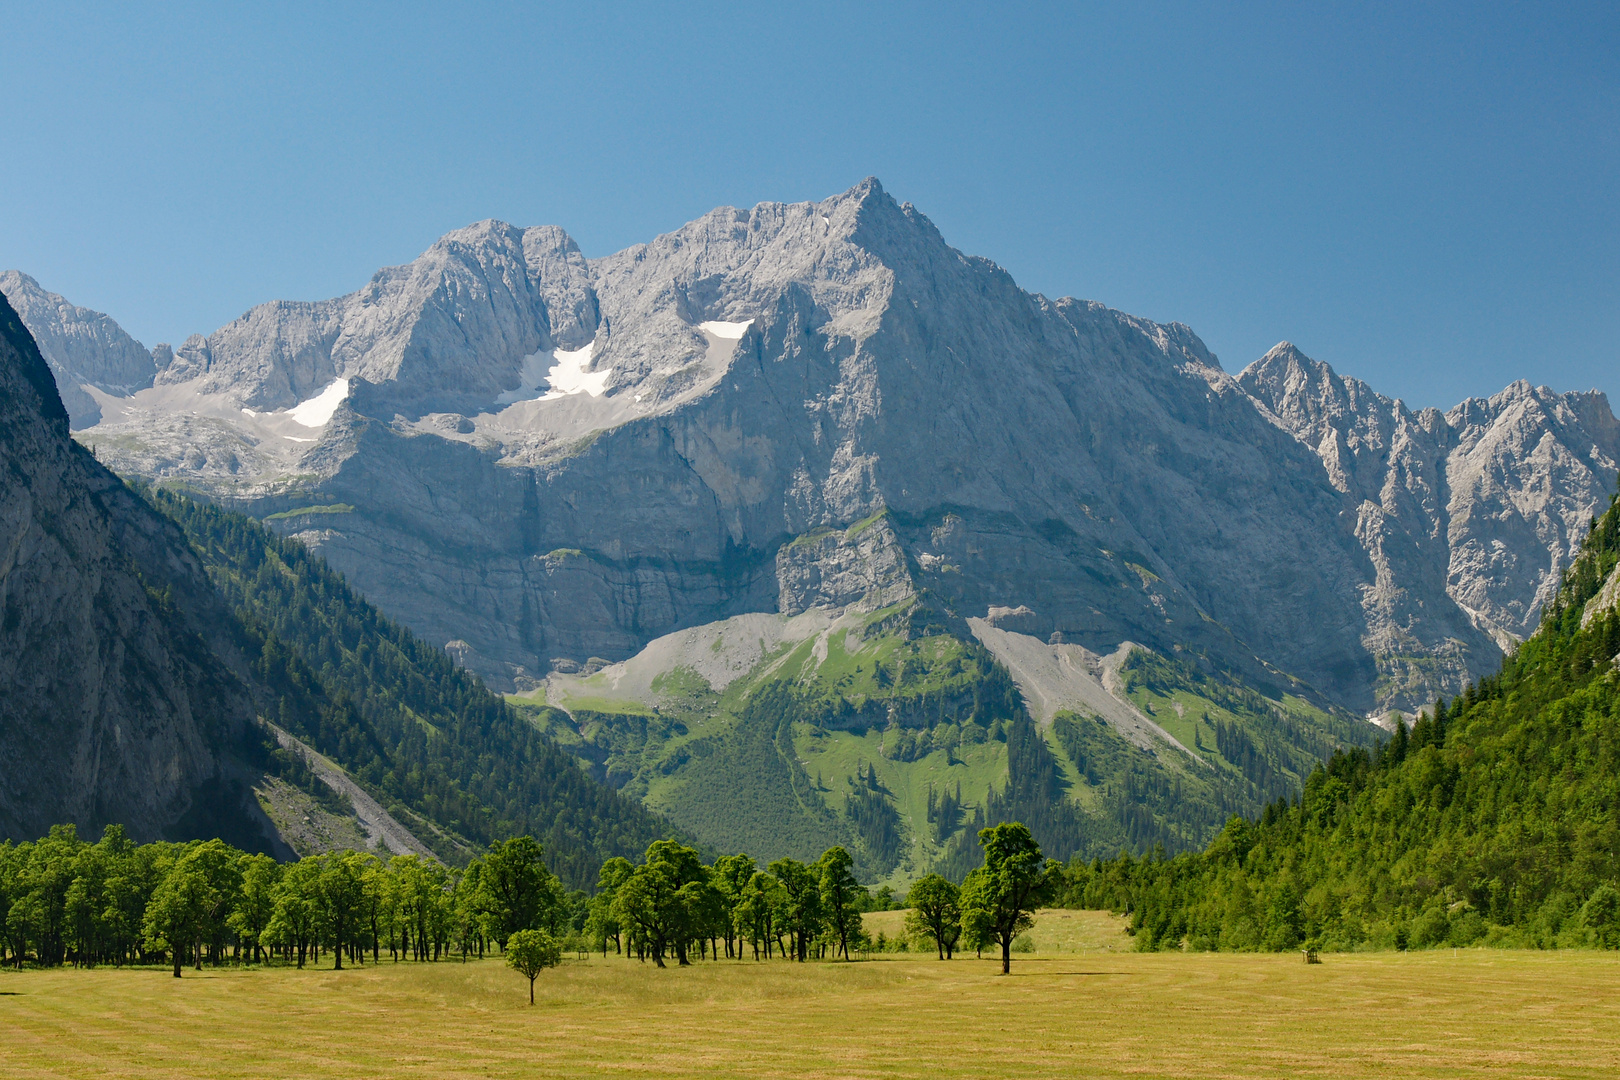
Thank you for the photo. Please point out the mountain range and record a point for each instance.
(811, 455)
(550, 458)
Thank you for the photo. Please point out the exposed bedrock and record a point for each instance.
(120, 701)
(546, 457)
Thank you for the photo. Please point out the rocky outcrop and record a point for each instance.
(118, 704)
(862, 567)
(85, 349)
(547, 457)
(1607, 599)
(1530, 471)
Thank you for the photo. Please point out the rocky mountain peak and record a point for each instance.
(86, 350)
(824, 404)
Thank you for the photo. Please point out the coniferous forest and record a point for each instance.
(1492, 820)
(424, 737)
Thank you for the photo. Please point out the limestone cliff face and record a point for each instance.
(548, 457)
(85, 349)
(115, 708)
(1484, 506)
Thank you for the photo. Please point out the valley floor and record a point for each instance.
(1100, 1012)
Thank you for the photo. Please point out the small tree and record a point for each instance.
(1014, 881)
(531, 952)
(976, 929)
(838, 889)
(936, 912)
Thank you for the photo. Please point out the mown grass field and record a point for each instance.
(1060, 1014)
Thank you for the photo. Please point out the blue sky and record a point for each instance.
(1425, 196)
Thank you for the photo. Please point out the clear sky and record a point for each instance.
(1425, 196)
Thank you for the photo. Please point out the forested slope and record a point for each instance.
(425, 737)
(1493, 819)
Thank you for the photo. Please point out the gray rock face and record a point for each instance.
(451, 327)
(114, 707)
(1484, 506)
(84, 348)
(547, 457)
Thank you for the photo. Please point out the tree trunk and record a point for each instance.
(531, 989)
(1006, 955)
(176, 961)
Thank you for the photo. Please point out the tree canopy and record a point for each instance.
(1003, 894)
(531, 952)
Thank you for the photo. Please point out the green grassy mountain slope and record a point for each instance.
(435, 748)
(887, 733)
(1494, 819)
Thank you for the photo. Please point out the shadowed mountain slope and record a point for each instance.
(145, 639)
(116, 707)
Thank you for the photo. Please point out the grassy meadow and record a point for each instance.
(1065, 1014)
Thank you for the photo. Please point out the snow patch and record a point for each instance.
(530, 378)
(561, 372)
(730, 331)
(568, 375)
(318, 410)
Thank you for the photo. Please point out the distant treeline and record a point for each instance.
(672, 905)
(64, 900)
(1494, 819)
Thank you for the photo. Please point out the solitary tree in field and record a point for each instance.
(531, 952)
(936, 911)
(1014, 881)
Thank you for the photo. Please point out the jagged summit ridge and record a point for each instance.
(814, 404)
(1491, 498)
